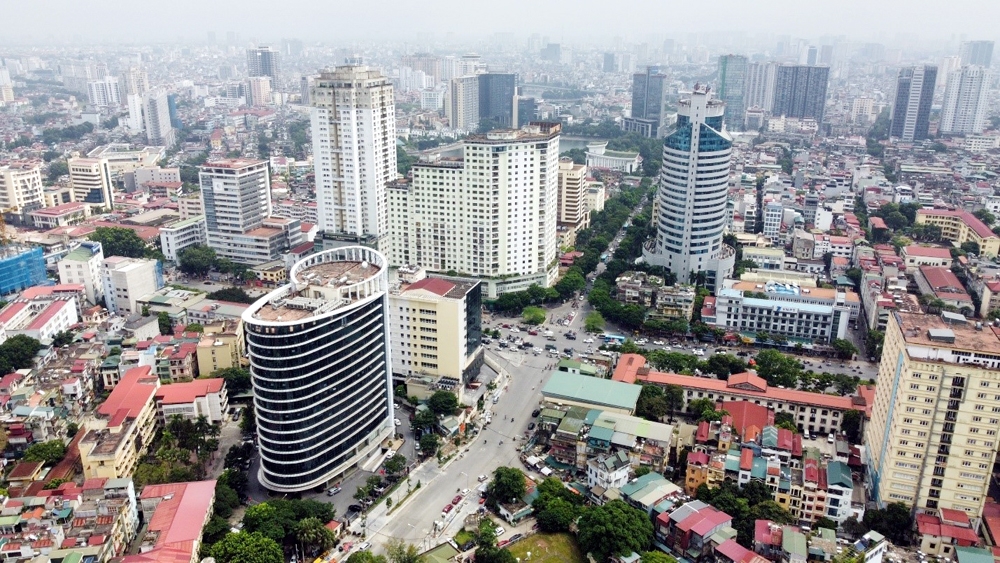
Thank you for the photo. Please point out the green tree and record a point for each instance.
(777, 368)
(232, 295)
(557, 516)
(311, 533)
(424, 420)
(572, 282)
(785, 420)
(71, 429)
(443, 402)
(985, 216)
(215, 530)
(850, 424)
(594, 322)
(247, 548)
(533, 315)
(723, 365)
(395, 464)
(507, 486)
(893, 521)
(970, 247)
(698, 406)
(57, 169)
(49, 453)
(845, 348)
(196, 260)
(399, 551)
(652, 405)
(263, 518)
(853, 527)
(120, 241)
(366, 557)
(194, 327)
(657, 557)
(237, 379)
(824, 522)
(429, 443)
(614, 529)
(164, 322)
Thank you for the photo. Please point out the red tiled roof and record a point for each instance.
(927, 251)
(10, 311)
(434, 285)
(25, 469)
(746, 459)
(132, 393)
(40, 290)
(628, 367)
(50, 311)
(745, 413)
(944, 283)
(928, 524)
(178, 520)
(877, 223)
(182, 393)
(697, 458)
(952, 516)
(747, 378)
(734, 551)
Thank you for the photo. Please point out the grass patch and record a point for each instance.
(548, 548)
(464, 536)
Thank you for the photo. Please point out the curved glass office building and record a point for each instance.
(320, 365)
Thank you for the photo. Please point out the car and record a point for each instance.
(457, 499)
(657, 343)
(533, 332)
(535, 413)
(396, 421)
(830, 438)
(515, 537)
(482, 500)
(465, 492)
(515, 329)
(333, 491)
(447, 509)
(364, 546)
(568, 351)
(531, 426)
(390, 453)
(483, 478)
(500, 531)
(537, 350)
(698, 352)
(355, 508)
(588, 340)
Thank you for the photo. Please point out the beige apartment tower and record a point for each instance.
(932, 437)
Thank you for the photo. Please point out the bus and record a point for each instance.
(614, 339)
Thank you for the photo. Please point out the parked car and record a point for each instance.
(355, 508)
(457, 499)
(364, 546)
(533, 332)
(535, 413)
(500, 531)
(396, 421)
(447, 509)
(531, 426)
(333, 491)
(483, 478)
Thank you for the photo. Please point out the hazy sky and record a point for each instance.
(336, 20)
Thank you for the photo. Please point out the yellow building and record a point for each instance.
(932, 437)
(121, 430)
(221, 347)
(960, 227)
(273, 272)
(435, 326)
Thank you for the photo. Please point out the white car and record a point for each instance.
(396, 421)
(500, 531)
(588, 340)
(657, 343)
(390, 453)
(515, 329)
(698, 352)
(364, 546)
(537, 350)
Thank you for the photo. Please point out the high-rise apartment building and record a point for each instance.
(156, 118)
(427, 63)
(82, 265)
(264, 61)
(500, 226)
(760, 86)
(692, 195)
(104, 92)
(236, 195)
(732, 89)
(911, 108)
(90, 180)
(21, 190)
(319, 354)
(259, 91)
(573, 214)
(800, 91)
(948, 64)
(826, 55)
(964, 108)
(979, 53)
(461, 105)
(648, 91)
(135, 80)
(497, 98)
(931, 440)
(527, 111)
(354, 153)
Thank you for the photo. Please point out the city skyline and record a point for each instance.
(883, 20)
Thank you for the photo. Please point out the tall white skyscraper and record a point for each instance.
(979, 53)
(760, 86)
(693, 192)
(156, 118)
(964, 107)
(499, 225)
(259, 91)
(104, 92)
(354, 153)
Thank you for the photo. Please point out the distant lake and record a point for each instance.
(565, 144)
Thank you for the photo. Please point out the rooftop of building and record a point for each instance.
(793, 289)
(927, 251)
(232, 163)
(948, 330)
(187, 392)
(969, 219)
(449, 288)
(591, 390)
(344, 271)
(176, 524)
(534, 131)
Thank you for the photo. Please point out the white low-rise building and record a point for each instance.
(126, 280)
(598, 156)
(813, 315)
(83, 266)
(182, 234)
(608, 472)
(201, 397)
(40, 318)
